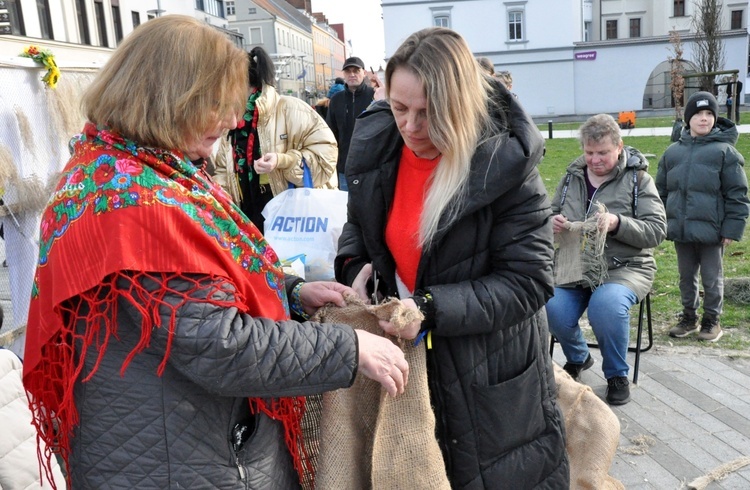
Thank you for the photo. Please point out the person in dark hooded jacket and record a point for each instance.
(448, 212)
(704, 188)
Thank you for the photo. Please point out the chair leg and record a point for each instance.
(645, 304)
(639, 338)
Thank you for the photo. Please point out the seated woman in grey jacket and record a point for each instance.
(160, 351)
(635, 223)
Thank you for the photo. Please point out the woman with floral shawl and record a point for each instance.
(160, 351)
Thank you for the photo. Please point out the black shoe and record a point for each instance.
(575, 370)
(618, 390)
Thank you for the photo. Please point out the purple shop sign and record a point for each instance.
(586, 55)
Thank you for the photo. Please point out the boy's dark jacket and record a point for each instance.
(703, 185)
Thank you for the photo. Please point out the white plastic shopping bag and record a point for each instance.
(307, 221)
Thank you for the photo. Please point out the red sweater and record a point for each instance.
(402, 229)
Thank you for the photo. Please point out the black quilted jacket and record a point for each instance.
(143, 431)
(490, 274)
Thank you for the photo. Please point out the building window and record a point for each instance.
(101, 23)
(736, 19)
(255, 36)
(587, 31)
(212, 7)
(83, 22)
(441, 16)
(45, 20)
(136, 18)
(230, 7)
(117, 20)
(15, 18)
(442, 21)
(515, 25)
(635, 27)
(679, 8)
(611, 29)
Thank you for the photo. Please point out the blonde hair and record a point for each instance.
(169, 82)
(598, 127)
(457, 113)
(486, 65)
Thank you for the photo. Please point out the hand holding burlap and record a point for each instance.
(369, 439)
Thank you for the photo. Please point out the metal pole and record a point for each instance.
(549, 128)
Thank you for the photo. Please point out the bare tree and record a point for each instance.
(709, 46)
(676, 82)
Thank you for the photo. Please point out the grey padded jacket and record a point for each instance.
(141, 430)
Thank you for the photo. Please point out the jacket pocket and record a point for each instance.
(508, 415)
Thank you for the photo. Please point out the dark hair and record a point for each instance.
(262, 70)
(339, 81)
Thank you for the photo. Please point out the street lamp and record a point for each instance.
(323, 64)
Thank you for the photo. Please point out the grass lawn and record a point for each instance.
(665, 297)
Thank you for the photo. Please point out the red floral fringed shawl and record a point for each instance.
(121, 211)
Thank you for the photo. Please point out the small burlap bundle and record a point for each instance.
(579, 255)
(369, 439)
(592, 433)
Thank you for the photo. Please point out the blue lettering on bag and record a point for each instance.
(300, 224)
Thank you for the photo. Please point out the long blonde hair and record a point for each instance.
(167, 83)
(457, 112)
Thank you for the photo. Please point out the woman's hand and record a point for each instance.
(382, 361)
(313, 295)
(360, 283)
(609, 221)
(559, 223)
(266, 164)
(408, 332)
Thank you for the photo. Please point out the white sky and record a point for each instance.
(363, 25)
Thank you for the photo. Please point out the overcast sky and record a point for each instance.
(363, 25)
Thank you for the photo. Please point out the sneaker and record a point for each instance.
(686, 326)
(575, 370)
(618, 390)
(710, 330)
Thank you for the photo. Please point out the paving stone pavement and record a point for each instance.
(693, 405)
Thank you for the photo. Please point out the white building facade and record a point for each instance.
(84, 32)
(575, 56)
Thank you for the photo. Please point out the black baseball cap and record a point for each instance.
(353, 61)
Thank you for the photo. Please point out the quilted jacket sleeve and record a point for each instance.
(233, 354)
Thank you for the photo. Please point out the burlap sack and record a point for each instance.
(592, 434)
(369, 439)
(579, 250)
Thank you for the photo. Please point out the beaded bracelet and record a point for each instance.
(295, 303)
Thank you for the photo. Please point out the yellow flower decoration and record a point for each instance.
(46, 58)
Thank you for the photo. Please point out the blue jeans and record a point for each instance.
(343, 184)
(609, 315)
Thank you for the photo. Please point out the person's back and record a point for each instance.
(344, 108)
